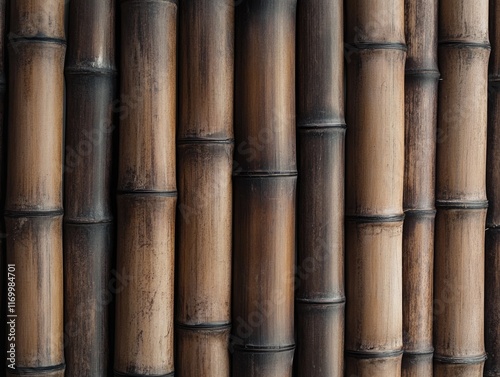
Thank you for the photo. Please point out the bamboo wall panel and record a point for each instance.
(460, 189)
(147, 190)
(320, 297)
(421, 83)
(374, 187)
(33, 209)
(204, 161)
(264, 186)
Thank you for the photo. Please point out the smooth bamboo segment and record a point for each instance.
(461, 189)
(33, 208)
(265, 176)
(144, 331)
(421, 83)
(320, 296)
(88, 239)
(204, 165)
(374, 187)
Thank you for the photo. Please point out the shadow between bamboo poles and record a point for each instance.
(33, 210)
(147, 190)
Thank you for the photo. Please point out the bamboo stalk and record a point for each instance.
(204, 157)
(460, 189)
(421, 82)
(374, 187)
(147, 190)
(264, 186)
(88, 239)
(33, 209)
(320, 296)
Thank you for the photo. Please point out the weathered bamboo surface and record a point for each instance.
(421, 83)
(144, 331)
(320, 296)
(461, 189)
(374, 187)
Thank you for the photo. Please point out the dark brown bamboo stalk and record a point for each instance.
(374, 187)
(320, 297)
(88, 238)
(34, 207)
(262, 339)
(421, 83)
(204, 161)
(461, 189)
(144, 331)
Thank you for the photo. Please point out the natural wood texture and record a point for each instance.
(460, 189)
(275, 364)
(204, 166)
(88, 238)
(320, 294)
(374, 187)
(33, 208)
(421, 82)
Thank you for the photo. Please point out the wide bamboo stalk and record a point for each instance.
(320, 296)
(374, 187)
(264, 186)
(147, 190)
(88, 239)
(204, 165)
(421, 83)
(460, 189)
(34, 206)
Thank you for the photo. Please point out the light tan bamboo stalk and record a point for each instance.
(147, 197)
(34, 207)
(374, 187)
(262, 337)
(320, 297)
(204, 165)
(460, 189)
(421, 82)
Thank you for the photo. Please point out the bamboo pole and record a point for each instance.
(262, 338)
(320, 297)
(204, 217)
(460, 189)
(88, 239)
(421, 82)
(147, 190)
(33, 209)
(374, 187)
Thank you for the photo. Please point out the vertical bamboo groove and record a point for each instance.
(374, 186)
(421, 83)
(320, 297)
(264, 186)
(90, 77)
(147, 190)
(460, 189)
(33, 209)
(204, 165)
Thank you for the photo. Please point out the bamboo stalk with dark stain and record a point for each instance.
(460, 189)
(262, 339)
(144, 331)
(88, 239)
(34, 205)
(374, 187)
(421, 82)
(320, 296)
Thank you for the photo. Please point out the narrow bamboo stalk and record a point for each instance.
(374, 187)
(90, 87)
(320, 296)
(262, 337)
(147, 190)
(421, 83)
(461, 189)
(33, 209)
